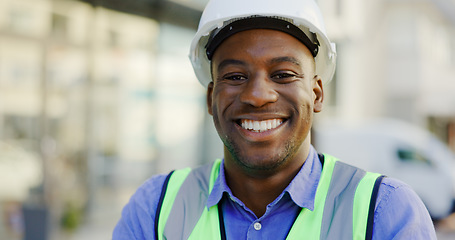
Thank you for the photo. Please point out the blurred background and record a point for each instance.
(96, 96)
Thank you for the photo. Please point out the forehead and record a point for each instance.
(262, 44)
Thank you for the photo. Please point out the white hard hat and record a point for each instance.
(304, 14)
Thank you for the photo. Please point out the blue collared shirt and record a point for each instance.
(399, 212)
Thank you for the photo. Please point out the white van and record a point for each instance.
(398, 150)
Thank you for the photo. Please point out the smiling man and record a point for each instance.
(262, 101)
(264, 64)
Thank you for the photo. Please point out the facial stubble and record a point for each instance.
(267, 165)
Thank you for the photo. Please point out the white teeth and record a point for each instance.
(264, 125)
(256, 126)
(250, 125)
(261, 126)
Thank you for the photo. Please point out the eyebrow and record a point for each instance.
(227, 62)
(285, 59)
(276, 60)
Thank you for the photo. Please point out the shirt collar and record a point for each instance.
(219, 188)
(302, 188)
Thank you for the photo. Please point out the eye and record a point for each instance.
(285, 76)
(234, 77)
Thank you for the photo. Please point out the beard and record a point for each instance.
(265, 164)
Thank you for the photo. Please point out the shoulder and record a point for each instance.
(400, 214)
(394, 192)
(148, 194)
(138, 215)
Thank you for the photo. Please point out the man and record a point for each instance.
(264, 64)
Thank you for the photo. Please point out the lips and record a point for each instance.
(260, 126)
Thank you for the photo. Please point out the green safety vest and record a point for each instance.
(343, 206)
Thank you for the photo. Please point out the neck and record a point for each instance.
(258, 188)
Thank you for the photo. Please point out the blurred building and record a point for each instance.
(81, 88)
(396, 58)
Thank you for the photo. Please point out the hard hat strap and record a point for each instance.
(260, 23)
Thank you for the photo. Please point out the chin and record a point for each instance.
(259, 162)
(265, 158)
(263, 164)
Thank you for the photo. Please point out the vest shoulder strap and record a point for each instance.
(183, 200)
(364, 204)
(167, 197)
(344, 193)
(308, 223)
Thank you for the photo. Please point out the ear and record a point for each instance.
(209, 97)
(318, 93)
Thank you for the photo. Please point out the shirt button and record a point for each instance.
(257, 226)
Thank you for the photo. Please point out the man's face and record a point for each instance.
(262, 98)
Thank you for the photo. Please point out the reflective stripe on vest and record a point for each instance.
(344, 192)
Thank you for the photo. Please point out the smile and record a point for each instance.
(260, 126)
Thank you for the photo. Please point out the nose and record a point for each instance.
(258, 91)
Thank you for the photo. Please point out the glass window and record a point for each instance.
(412, 155)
